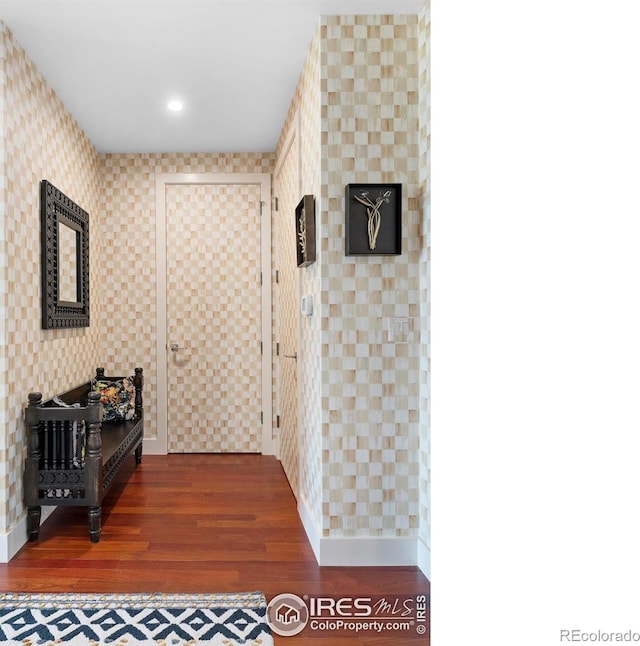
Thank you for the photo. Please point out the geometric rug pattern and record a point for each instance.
(149, 619)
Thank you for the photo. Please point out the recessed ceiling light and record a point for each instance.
(175, 105)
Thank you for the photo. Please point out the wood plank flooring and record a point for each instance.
(200, 523)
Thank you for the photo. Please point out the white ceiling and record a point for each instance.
(235, 63)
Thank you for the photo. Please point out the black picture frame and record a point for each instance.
(56, 210)
(373, 215)
(305, 214)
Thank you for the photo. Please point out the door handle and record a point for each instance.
(291, 356)
(174, 347)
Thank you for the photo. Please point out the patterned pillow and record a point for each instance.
(117, 398)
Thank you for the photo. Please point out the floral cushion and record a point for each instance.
(117, 398)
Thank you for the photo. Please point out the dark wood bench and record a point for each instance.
(73, 455)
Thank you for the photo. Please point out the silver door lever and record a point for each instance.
(174, 347)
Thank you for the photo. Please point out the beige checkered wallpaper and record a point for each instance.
(310, 283)
(305, 111)
(31, 359)
(286, 301)
(424, 39)
(358, 105)
(370, 398)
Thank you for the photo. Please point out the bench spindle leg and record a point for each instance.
(95, 523)
(33, 523)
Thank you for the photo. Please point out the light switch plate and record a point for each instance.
(306, 305)
(399, 329)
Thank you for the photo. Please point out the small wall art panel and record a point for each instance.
(306, 231)
(373, 219)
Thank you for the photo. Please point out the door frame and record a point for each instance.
(158, 445)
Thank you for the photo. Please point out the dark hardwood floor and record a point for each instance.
(200, 523)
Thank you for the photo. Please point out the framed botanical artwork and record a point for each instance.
(306, 231)
(373, 219)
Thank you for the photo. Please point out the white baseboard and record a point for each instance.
(153, 446)
(424, 558)
(12, 541)
(313, 531)
(372, 551)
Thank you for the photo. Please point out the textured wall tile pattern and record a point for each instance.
(370, 392)
(424, 33)
(5, 427)
(288, 182)
(304, 119)
(310, 284)
(40, 141)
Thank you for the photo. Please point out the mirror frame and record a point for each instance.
(55, 208)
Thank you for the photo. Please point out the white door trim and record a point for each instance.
(158, 445)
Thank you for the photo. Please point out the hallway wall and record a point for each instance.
(128, 264)
(369, 394)
(304, 114)
(39, 140)
(424, 45)
(357, 106)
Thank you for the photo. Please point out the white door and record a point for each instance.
(287, 181)
(216, 327)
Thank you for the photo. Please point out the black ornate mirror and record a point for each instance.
(65, 260)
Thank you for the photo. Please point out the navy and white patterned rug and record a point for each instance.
(153, 619)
